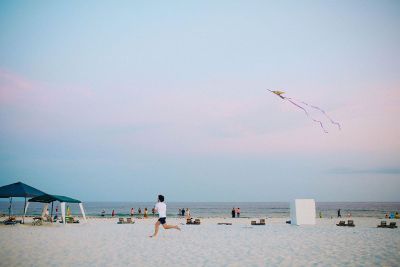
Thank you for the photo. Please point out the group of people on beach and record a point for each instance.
(235, 212)
(145, 212)
(182, 212)
(392, 215)
(132, 212)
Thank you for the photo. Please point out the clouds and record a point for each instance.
(382, 170)
(196, 120)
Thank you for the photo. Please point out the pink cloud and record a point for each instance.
(190, 121)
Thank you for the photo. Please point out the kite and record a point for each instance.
(302, 104)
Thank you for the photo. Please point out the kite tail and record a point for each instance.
(317, 121)
(332, 121)
(323, 112)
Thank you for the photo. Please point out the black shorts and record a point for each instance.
(162, 220)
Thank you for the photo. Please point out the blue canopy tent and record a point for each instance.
(46, 198)
(19, 190)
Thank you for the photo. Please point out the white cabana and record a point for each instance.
(302, 211)
(46, 198)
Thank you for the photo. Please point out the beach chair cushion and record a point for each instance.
(383, 224)
(350, 223)
(341, 223)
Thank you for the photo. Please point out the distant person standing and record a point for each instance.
(180, 212)
(132, 212)
(161, 208)
(233, 212)
(140, 211)
(187, 213)
(153, 210)
(145, 212)
(113, 213)
(103, 213)
(183, 212)
(238, 212)
(338, 214)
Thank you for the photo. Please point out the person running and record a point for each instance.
(161, 208)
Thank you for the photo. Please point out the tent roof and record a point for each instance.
(19, 190)
(46, 198)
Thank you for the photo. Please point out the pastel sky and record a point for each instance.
(122, 100)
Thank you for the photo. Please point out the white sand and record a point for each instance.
(102, 242)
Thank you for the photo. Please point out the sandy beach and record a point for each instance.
(103, 242)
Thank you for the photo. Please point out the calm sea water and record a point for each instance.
(219, 209)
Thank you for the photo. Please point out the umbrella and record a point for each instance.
(18, 190)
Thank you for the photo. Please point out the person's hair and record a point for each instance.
(161, 198)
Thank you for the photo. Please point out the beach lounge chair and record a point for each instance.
(7, 222)
(392, 225)
(129, 220)
(189, 221)
(37, 221)
(341, 223)
(262, 222)
(11, 221)
(350, 223)
(70, 219)
(382, 225)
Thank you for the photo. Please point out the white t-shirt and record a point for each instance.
(162, 209)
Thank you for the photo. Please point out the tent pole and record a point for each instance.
(26, 208)
(9, 208)
(83, 211)
(51, 214)
(23, 218)
(63, 212)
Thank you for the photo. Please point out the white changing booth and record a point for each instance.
(302, 212)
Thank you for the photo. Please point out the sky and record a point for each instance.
(123, 100)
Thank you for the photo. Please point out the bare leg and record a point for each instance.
(156, 226)
(167, 226)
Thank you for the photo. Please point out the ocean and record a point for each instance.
(217, 209)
